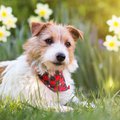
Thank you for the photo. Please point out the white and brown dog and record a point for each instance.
(42, 75)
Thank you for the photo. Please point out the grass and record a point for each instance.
(107, 108)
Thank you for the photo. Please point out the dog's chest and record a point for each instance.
(53, 96)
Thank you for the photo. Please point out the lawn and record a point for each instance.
(106, 108)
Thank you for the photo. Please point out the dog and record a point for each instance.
(42, 74)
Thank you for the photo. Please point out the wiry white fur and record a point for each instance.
(19, 80)
(6, 63)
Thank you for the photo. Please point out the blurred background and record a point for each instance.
(98, 68)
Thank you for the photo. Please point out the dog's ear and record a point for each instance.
(36, 27)
(76, 33)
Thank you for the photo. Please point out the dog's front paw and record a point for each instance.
(65, 109)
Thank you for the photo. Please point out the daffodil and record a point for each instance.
(111, 43)
(4, 34)
(114, 24)
(43, 11)
(5, 12)
(34, 19)
(10, 22)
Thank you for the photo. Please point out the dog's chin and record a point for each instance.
(54, 66)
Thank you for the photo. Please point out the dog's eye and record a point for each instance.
(67, 44)
(49, 41)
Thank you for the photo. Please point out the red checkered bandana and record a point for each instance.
(55, 83)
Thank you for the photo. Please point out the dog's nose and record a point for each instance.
(60, 57)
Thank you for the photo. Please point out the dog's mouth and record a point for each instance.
(58, 63)
(52, 66)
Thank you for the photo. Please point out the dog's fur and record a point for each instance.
(19, 77)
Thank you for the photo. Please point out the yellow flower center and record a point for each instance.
(112, 44)
(116, 24)
(1, 34)
(42, 13)
(4, 14)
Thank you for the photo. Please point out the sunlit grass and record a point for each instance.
(107, 108)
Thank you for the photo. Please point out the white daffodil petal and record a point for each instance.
(5, 12)
(114, 24)
(43, 11)
(112, 43)
(4, 34)
(10, 22)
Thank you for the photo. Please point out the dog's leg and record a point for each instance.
(75, 100)
(83, 103)
(60, 108)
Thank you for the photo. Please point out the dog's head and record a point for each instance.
(51, 46)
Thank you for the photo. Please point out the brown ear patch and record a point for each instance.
(36, 27)
(76, 33)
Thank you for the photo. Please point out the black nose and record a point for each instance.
(60, 57)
